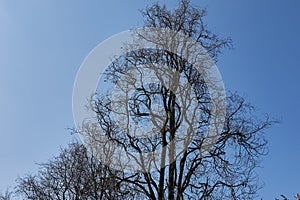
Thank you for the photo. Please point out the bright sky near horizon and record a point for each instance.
(43, 43)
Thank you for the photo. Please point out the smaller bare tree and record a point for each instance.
(74, 174)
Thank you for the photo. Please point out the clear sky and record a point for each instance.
(42, 44)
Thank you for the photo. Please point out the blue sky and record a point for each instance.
(43, 43)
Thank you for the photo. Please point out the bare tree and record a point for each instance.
(74, 174)
(222, 170)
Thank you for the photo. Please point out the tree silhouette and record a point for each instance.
(188, 162)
